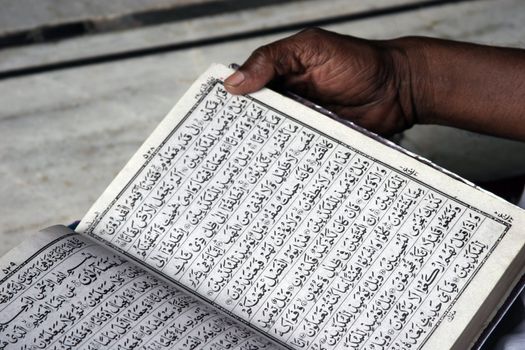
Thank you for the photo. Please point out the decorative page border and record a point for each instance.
(36, 254)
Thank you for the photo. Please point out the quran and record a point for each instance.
(254, 222)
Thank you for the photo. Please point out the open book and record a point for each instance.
(254, 222)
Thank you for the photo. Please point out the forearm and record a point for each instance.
(469, 86)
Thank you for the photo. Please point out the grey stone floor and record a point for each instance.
(27, 14)
(65, 134)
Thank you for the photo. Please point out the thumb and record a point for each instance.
(263, 65)
(254, 74)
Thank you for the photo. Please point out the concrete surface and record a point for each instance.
(65, 134)
(18, 15)
(193, 30)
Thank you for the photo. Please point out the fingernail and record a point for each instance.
(235, 79)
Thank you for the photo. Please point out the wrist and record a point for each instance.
(412, 79)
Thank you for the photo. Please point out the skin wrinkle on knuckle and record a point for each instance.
(280, 64)
(315, 33)
(308, 32)
(288, 56)
(283, 58)
(259, 59)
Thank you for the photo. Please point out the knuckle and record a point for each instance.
(262, 55)
(312, 32)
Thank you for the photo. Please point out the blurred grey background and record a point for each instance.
(83, 83)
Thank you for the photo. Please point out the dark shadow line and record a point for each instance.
(71, 29)
(86, 61)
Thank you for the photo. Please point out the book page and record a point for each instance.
(306, 230)
(63, 291)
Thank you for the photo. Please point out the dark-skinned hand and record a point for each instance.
(355, 78)
(389, 85)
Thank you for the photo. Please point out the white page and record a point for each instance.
(306, 230)
(63, 291)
